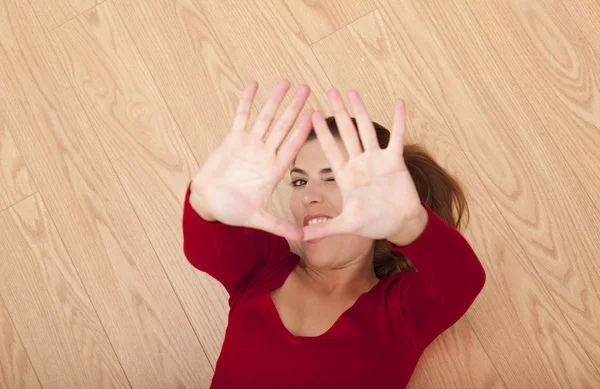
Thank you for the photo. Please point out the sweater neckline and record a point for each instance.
(338, 328)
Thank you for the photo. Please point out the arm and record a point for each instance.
(230, 254)
(448, 280)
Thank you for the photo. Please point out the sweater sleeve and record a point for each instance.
(448, 279)
(232, 255)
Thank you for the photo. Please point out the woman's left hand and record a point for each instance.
(380, 200)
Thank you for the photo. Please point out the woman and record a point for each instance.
(344, 315)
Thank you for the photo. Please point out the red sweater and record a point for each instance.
(374, 344)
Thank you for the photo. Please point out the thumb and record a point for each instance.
(334, 226)
(275, 225)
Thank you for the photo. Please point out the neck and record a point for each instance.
(356, 276)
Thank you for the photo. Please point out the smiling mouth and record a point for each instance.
(317, 220)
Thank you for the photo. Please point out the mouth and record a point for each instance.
(315, 218)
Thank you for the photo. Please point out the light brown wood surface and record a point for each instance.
(15, 181)
(318, 19)
(54, 13)
(17, 371)
(107, 108)
(114, 257)
(49, 305)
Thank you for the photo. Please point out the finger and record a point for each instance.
(365, 125)
(330, 227)
(398, 132)
(344, 123)
(277, 226)
(269, 110)
(243, 110)
(330, 147)
(290, 148)
(287, 120)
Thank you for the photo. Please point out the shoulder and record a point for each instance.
(387, 305)
(398, 280)
(273, 272)
(391, 293)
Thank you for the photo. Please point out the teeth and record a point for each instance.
(318, 220)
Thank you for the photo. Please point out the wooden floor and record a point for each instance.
(107, 108)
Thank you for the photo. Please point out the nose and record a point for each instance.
(312, 194)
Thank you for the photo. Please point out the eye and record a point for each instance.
(295, 183)
(330, 179)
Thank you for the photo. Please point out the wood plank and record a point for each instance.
(190, 67)
(53, 13)
(550, 57)
(263, 41)
(15, 180)
(457, 347)
(16, 371)
(319, 18)
(376, 45)
(122, 273)
(146, 147)
(587, 16)
(49, 305)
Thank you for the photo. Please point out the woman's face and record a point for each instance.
(314, 191)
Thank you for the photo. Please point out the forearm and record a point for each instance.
(227, 253)
(434, 247)
(449, 277)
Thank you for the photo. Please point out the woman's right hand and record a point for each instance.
(235, 183)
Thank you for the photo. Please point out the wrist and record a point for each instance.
(200, 208)
(411, 230)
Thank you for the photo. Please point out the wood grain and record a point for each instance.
(550, 57)
(277, 49)
(53, 13)
(546, 43)
(16, 371)
(125, 280)
(530, 181)
(15, 180)
(321, 18)
(587, 17)
(146, 147)
(457, 348)
(49, 305)
(191, 69)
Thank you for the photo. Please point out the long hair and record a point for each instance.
(436, 187)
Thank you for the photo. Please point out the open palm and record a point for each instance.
(379, 195)
(234, 185)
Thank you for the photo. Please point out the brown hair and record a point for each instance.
(436, 187)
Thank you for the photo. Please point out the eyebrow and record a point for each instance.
(322, 171)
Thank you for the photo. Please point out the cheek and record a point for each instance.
(336, 200)
(296, 205)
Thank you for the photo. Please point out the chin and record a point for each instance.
(321, 261)
(321, 253)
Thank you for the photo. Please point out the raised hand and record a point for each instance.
(380, 199)
(235, 183)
